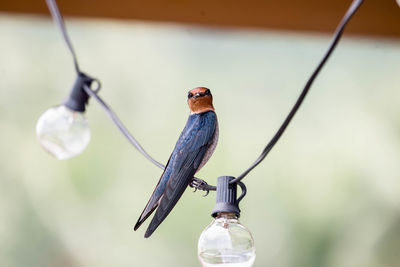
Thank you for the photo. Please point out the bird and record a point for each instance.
(193, 149)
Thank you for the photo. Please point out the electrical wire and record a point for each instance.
(121, 126)
(56, 14)
(198, 183)
(338, 33)
(57, 17)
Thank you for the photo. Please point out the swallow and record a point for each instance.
(193, 149)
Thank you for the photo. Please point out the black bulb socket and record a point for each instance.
(78, 98)
(227, 200)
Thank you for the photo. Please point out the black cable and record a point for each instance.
(338, 33)
(121, 127)
(55, 13)
(198, 183)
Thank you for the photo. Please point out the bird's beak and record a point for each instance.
(197, 95)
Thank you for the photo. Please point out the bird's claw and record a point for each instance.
(199, 184)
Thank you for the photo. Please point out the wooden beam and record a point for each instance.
(375, 17)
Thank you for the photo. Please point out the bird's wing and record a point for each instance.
(152, 203)
(185, 165)
(157, 193)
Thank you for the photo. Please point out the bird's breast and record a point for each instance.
(211, 146)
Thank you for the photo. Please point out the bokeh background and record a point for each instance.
(328, 195)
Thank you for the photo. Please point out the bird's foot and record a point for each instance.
(199, 184)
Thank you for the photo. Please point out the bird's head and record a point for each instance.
(200, 100)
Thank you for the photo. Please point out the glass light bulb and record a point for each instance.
(63, 132)
(226, 242)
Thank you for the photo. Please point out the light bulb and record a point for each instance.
(63, 132)
(226, 242)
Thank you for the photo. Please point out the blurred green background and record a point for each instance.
(327, 195)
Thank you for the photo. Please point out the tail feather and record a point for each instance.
(176, 186)
(153, 201)
(167, 203)
(148, 210)
(150, 207)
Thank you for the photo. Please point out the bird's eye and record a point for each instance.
(190, 95)
(207, 92)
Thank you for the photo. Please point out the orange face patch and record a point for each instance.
(198, 90)
(200, 100)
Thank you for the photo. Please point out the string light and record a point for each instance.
(64, 132)
(226, 242)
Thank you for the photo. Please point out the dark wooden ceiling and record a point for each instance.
(375, 17)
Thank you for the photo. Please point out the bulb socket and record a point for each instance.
(226, 197)
(78, 98)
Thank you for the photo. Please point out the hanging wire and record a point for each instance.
(198, 183)
(338, 33)
(121, 126)
(55, 13)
